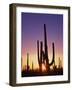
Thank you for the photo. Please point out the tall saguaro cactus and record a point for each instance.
(43, 54)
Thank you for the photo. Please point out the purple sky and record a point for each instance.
(33, 30)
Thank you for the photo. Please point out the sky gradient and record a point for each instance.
(33, 30)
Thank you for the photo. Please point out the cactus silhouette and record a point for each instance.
(27, 61)
(43, 54)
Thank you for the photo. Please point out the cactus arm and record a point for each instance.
(53, 58)
(38, 51)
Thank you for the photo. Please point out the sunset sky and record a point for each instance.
(33, 30)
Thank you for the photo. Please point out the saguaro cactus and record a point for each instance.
(27, 61)
(43, 54)
(40, 57)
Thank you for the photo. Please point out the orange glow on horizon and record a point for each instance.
(43, 67)
(33, 59)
